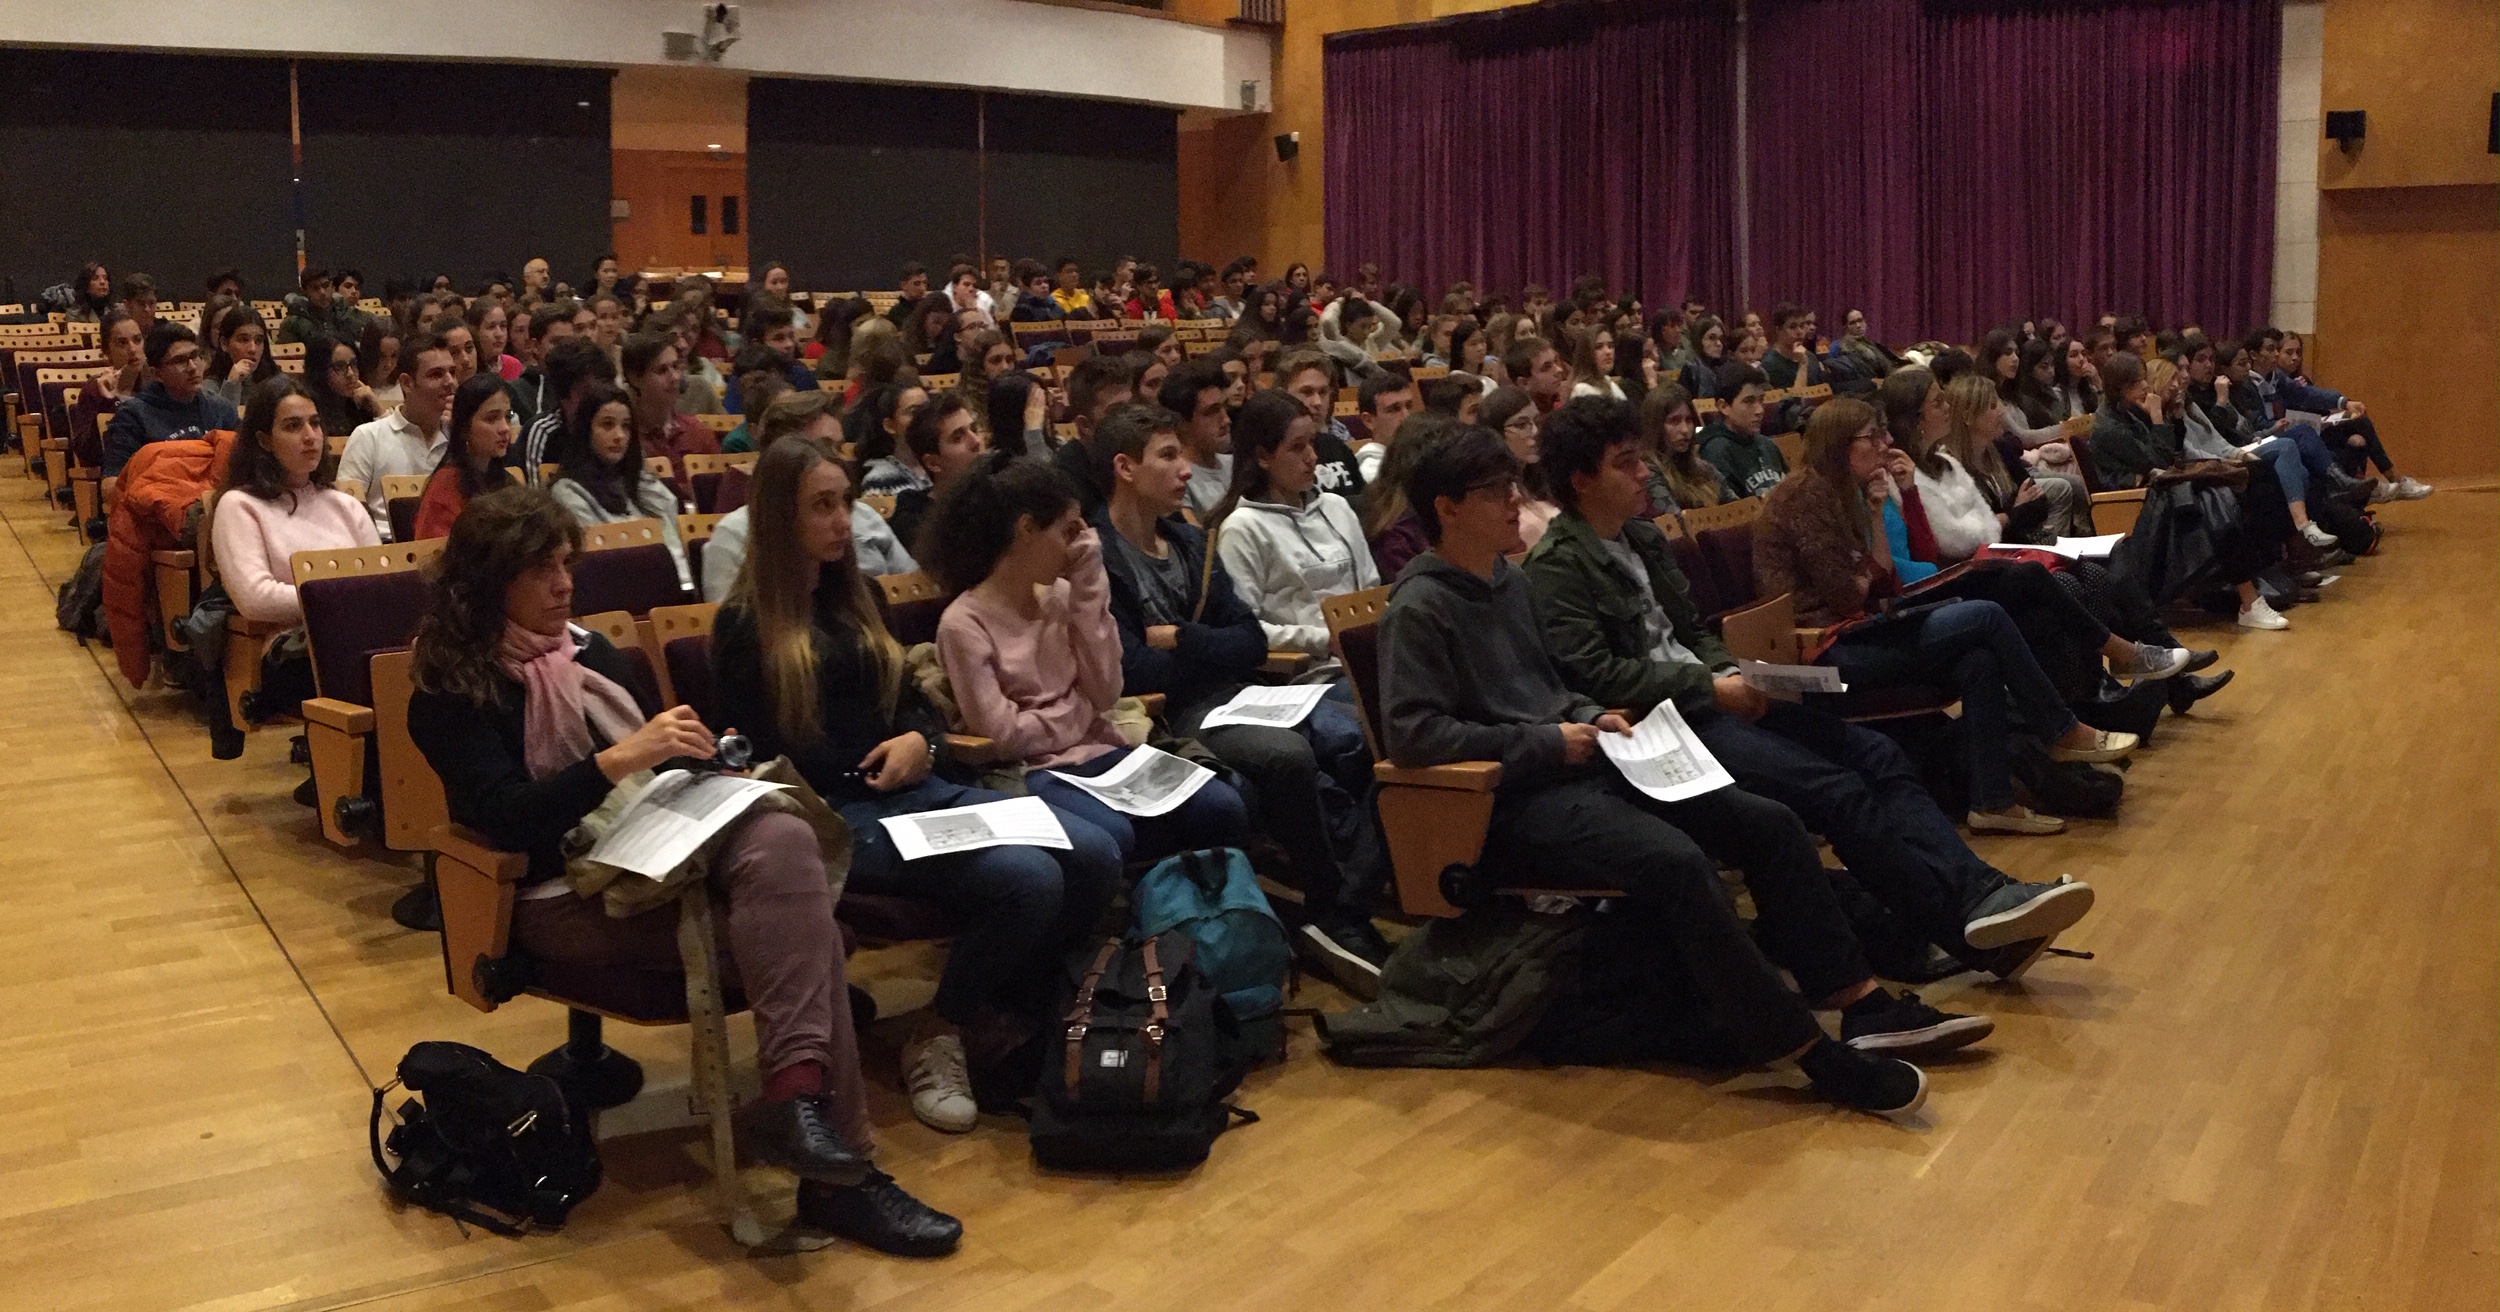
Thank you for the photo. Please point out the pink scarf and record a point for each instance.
(567, 700)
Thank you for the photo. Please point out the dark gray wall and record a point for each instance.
(422, 168)
(171, 165)
(846, 181)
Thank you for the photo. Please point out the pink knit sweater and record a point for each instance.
(256, 542)
(1040, 687)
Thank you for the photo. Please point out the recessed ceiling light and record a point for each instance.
(581, 104)
(713, 146)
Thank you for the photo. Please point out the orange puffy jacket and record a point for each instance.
(155, 494)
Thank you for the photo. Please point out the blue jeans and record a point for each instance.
(1214, 816)
(1023, 906)
(1973, 648)
(2298, 454)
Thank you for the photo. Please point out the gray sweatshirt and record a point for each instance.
(1464, 675)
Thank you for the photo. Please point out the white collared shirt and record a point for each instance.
(391, 444)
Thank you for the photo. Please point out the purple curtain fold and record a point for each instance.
(1535, 146)
(1986, 162)
(1943, 165)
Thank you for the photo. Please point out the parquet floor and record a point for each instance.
(2273, 1087)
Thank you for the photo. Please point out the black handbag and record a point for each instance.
(486, 1137)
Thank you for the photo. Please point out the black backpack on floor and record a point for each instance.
(485, 1136)
(1134, 1074)
(2067, 788)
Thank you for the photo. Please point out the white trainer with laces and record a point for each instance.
(2258, 615)
(941, 1086)
(2316, 536)
(2411, 489)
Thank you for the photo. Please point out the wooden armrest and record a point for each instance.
(2124, 494)
(56, 444)
(176, 559)
(86, 473)
(346, 717)
(1463, 776)
(972, 749)
(1286, 662)
(470, 848)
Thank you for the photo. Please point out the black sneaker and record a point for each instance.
(2021, 911)
(225, 742)
(2010, 961)
(877, 1213)
(1899, 1025)
(1862, 1081)
(1341, 953)
(797, 1135)
(2199, 659)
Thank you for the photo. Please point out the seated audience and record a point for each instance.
(1621, 628)
(654, 373)
(1032, 653)
(481, 432)
(1390, 526)
(241, 360)
(877, 428)
(941, 442)
(573, 363)
(171, 405)
(331, 377)
(805, 667)
(1704, 356)
(759, 383)
(1098, 385)
(2130, 440)
(1311, 379)
(1536, 368)
(1016, 409)
(1464, 677)
(1593, 365)
(1511, 413)
(512, 704)
(410, 439)
(490, 323)
(813, 416)
(2342, 420)
(276, 500)
(1733, 443)
(1815, 541)
(2222, 422)
(1679, 478)
(123, 374)
(1195, 396)
(600, 475)
(1287, 544)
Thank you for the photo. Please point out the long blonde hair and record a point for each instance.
(1969, 399)
(778, 584)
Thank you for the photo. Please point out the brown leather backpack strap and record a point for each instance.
(1081, 1012)
(1158, 997)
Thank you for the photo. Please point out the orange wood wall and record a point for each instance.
(2409, 229)
(651, 182)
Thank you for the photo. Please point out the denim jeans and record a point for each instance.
(2298, 455)
(1214, 816)
(1023, 906)
(1973, 649)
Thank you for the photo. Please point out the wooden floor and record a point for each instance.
(2271, 1088)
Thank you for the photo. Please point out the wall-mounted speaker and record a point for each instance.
(1288, 145)
(2345, 127)
(2493, 147)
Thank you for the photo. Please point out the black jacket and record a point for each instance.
(1220, 649)
(477, 751)
(851, 715)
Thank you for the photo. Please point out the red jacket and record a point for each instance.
(156, 492)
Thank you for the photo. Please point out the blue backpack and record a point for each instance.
(1213, 899)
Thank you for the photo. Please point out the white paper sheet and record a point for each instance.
(1147, 783)
(1664, 758)
(1016, 822)
(2080, 548)
(672, 816)
(1790, 682)
(1268, 706)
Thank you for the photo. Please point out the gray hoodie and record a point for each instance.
(1464, 675)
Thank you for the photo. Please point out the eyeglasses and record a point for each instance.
(1523, 421)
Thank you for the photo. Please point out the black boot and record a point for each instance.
(877, 1213)
(2189, 689)
(797, 1135)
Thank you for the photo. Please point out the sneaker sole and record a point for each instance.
(2049, 913)
(1346, 970)
(2030, 959)
(1946, 1036)
(2265, 628)
(2038, 827)
(934, 1122)
(2092, 756)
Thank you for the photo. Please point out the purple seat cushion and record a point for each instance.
(354, 616)
(1730, 553)
(1697, 575)
(632, 579)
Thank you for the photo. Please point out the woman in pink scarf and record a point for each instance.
(531, 723)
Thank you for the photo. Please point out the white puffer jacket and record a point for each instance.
(1285, 560)
(1960, 517)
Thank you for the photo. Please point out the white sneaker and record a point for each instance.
(2316, 536)
(941, 1089)
(2258, 615)
(2411, 489)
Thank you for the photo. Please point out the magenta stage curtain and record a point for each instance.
(1950, 165)
(1535, 145)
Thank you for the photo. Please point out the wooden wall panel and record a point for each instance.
(2424, 70)
(2406, 320)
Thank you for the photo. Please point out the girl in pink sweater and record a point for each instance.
(1033, 656)
(276, 501)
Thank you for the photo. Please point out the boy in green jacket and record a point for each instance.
(1751, 463)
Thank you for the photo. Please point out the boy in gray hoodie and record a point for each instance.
(1464, 676)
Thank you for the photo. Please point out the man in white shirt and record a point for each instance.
(410, 439)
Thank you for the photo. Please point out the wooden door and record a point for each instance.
(687, 210)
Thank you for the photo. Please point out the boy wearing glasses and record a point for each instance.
(172, 405)
(1464, 676)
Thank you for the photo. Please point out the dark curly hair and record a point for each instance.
(497, 538)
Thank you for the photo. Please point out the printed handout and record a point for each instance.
(1015, 822)
(1268, 706)
(1789, 682)
(1147, 783)
(1664, 758)
(672, 816)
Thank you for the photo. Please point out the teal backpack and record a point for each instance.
(1211, 897)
